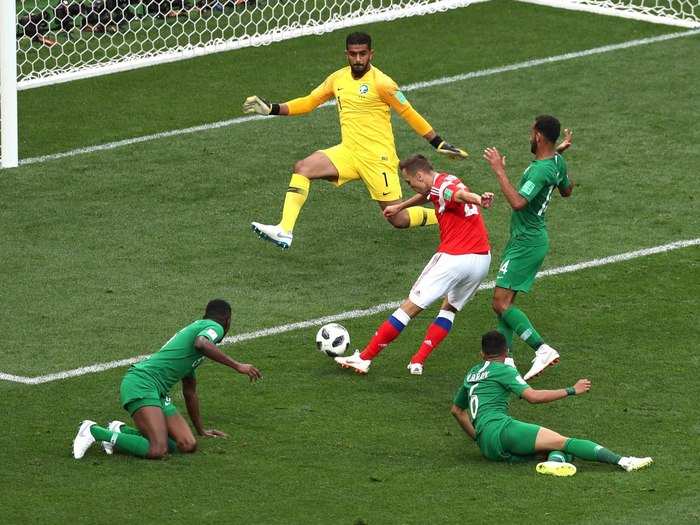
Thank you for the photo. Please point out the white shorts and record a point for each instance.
(456, 277)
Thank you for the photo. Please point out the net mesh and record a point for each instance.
(60, 36)
(683, 10)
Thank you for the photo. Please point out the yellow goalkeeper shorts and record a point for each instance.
(380, 177)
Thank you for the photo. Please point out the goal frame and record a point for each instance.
(9, 137)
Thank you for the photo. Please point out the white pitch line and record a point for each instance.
(351, 314)
(409, 87)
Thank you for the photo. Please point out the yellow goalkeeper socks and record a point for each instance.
(294, 200)
(420, 216)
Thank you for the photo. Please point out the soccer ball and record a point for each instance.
(332, 339)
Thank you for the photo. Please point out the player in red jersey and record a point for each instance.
(454, 272)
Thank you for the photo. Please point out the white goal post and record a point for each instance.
(8, 86)
(45, 42)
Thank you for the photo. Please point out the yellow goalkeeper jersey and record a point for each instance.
(364, 107)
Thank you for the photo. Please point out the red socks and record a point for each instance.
(393, 326)
(437, 331)
(385, 334)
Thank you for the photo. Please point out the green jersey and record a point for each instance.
(486, 391)
(536, 185)
(178, 357)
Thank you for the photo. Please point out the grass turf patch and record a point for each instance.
(317, 444)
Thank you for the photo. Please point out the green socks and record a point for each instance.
(515, 319)
(560, 457)
(584, 449)
(134, 444)
(126, 429)
(128, 439)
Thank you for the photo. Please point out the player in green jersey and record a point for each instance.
(480, 407)
(146, 387)
(529, 242)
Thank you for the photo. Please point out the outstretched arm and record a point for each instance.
(547, 396)
(210, 350)
(297, 106)
(391, 95)
(484, 200)
(416, 200)
(498, 165)
(464, 421)
(189, 392)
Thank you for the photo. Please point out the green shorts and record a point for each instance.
(508, 440)
(138, 390)
(519, 265)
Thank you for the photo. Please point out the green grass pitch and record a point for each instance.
(105, 255)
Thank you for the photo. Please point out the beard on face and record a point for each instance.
(359, 68)
(533, 146)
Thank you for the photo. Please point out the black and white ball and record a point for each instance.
(332, 339)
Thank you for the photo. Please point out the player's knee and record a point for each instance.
(157, 450)
(187, 446)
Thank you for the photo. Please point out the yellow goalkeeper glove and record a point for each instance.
(260, 106)
(445, 148)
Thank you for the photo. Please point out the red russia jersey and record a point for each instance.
(462, 228)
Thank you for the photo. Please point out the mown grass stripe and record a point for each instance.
(351, 314)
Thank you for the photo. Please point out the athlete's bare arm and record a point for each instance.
(210, 350)
(498, 165)
(467, 197)
(561, 148)
(189, 392)
(464, 421)
(393, 209)
(547, 396)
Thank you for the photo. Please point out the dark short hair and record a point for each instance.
(217, 308)
(414, 164)
(548, 126)
(493, 343)
(357, 38)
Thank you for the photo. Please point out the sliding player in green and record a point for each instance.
(529, 241)
(145, 392)
(485, 393)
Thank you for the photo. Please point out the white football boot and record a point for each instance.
(354, 361)
(630, 463)
(274, 234)
(108, 446)
(544, 356)
(556, 468)
(83, 439)
(415, 369)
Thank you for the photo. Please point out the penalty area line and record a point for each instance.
(351, 314)
(407, 88)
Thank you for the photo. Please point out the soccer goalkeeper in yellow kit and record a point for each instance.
(364, 97)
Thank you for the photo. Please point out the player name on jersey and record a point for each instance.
(479, 376)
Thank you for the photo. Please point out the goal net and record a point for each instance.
(683, 13)
(60, 40)
(44, 42)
